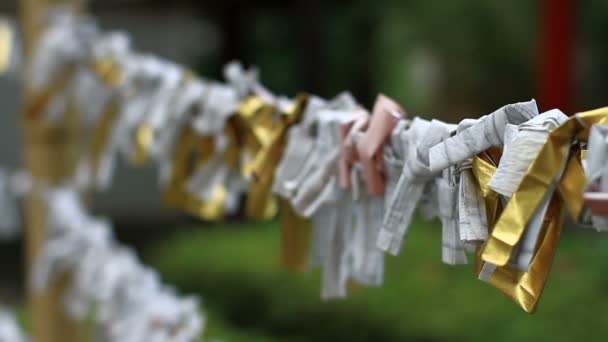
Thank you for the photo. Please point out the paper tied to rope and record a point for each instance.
(152, 312)
(483, 167)
(108, 71)
(63, 41)
(452, 247)
(164, 317)
(522, 269)
(394, 154)
(220, 102)
(186, 103)
(97, 103)
(266, 126)
(455, 153)
(218, 170)
(557, 165)
(245, 82)
(216, 182)
(489, 131)
(349, 154)
(304, 175)
(596, 190)
(472, 219)
(523, 287)
(418, 138)
(385, 115)
(67, 240)
(183, 189)
(108, 63)
(318, 196)
(362, 258)
(522, 144)
(108, 54)
(89, 270)
(61, 49)
(205, 177)
(91, 96)
(143, 77)
(109, 285)
(295, 229)
(96, 167)
(158, 112)
(332, 224)
(317, 183)
(345, 232)
(299, 148)
(306, 169)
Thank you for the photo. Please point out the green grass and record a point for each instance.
(249, 297)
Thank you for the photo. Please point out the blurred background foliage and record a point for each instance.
(450, 60)
(433, 58)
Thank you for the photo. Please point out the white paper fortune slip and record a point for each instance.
(487, 132)
(421, 135)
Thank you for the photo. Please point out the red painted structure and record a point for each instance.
(556, 55)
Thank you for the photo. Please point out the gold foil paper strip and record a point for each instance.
(295, 232)
(540, 175)
(265, 141)
(190, 150)
(108, 71)
(525, 288)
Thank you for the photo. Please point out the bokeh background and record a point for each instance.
(447, 60)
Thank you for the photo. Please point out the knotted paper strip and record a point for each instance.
(525, 288)
(385, 115)
(473, 225)
(415, 174)
(489, 131)
(452, 248)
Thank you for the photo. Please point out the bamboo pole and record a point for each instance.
(50, 156)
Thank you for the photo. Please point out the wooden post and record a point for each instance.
(50, 156)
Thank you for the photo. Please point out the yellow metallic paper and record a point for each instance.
(525, 288)
(265, 141)
(534, 185)
(189, 152)
(295, 232)
(144, 137)
(108, 71)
